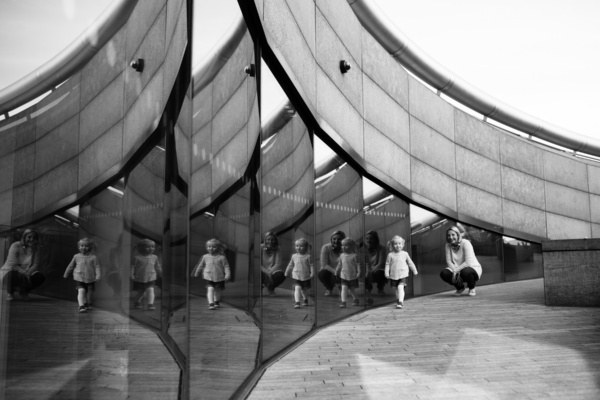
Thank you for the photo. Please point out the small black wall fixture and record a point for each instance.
(137, 64)
(250, 70)
(344, 66)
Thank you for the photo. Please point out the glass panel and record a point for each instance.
(287, 216)
(386, 216)
(488, 250)
(338, 212)
(522, 260)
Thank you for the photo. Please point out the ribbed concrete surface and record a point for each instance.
(502, 344)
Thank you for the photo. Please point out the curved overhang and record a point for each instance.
(70, 60)
(205, 72)
(411, 57)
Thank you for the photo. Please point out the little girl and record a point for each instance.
(396, 268)
(348, 269)
(144, 271)
(86, 271)
(302, 270)
(215, 270)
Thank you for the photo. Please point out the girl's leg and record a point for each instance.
(401, 293)
(90, 296)
(217, 295)
(150, 295)
(344, 293)
(210, 294)
(352, 293)
(81, 296)
(297, 294)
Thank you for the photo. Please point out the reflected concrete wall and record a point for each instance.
(412, 140)
(83, 133)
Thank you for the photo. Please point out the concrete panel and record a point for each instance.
(152, 51)
(288, 39)
(523, 218)
(430, 108)
(476, 135)
(55, 185)
(522, 156)
(201, 147)
(202, 108)
(25, 133)
(174, 50)
(593, 179)
(304, 14)
(595, 208)
(568, 202)
(387, 156)
(253, 125)
(280, 147)
(7, 166)
(381, 111)
(6, 201)
(101, 155)
(58, 106)
(7, 137)
(479, 204)
(174, 12)
(344, 23)
(140, 22)
(147, 109)
(337, 111)
(596, 230)
(229, 120)
(58, 146)
(201, 185)
(432, 148)
(106, 65)
(22, 204)
(230, 161)
(101, 113)
(24, 169)
(478, 171)
(566, 171)
(182, 146)
(523, 188)
(231, 77)
(330, 50)
(432, 184)
(560, 227)
(384, 70)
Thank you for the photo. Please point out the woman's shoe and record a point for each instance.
(472, 292)
(459, 292)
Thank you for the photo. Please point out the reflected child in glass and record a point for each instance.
(397, 264)
(301, 269)
(215, 270)
(145, 270)
(85, 268)
(349, 271)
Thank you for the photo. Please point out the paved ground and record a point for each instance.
(502, 344)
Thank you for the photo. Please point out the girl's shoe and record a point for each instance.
(82, 309)
(10, 297)
(211, 306)
(328, 293)
(297, 304)
(151, 307)
(88, 306)
(217, 304)
(137, 305)
(472, 292)
(355, 302)
(305, 303)
(343, 304)
(399, 304)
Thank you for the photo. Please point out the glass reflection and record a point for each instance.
(338, 215)
(522, 260)
(386, 216)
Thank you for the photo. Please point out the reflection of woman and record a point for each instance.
(462, 265)
(330, 255)
(271, 273)
(375, 260)
(20, 268)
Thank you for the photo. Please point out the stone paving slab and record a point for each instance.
(502, 344)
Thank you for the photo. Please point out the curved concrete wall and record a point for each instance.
(406, 137)
(82, 134)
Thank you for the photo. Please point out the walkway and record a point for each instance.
(510, 346)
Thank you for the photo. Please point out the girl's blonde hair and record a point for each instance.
(396, 238)
(351, 243)
(302, 240)
(144, 242)
(88, 241)
(220, 246)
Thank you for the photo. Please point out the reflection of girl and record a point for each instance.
(462, 265)
(215, 270)
(375, 260)
(330, 255)
(396, 268)
(144, 271)
(271, 273)
(348, 269)
(86, 271)
(20, 268)
(302, 270)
